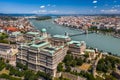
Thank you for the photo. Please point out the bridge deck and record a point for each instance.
(83, 33)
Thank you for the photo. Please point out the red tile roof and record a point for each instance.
(13, 29)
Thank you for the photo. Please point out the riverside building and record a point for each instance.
(77, 47)
(42, 54)
(7, 52)
(16, 37)
(31, 35)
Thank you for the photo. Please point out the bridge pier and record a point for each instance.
(86, 31)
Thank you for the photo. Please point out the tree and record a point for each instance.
(73, 64)
(44, 75)
(43, 17)
(30, 75)
(86, 55)
(68, 69)
(68, 57)
(16, 72)
(87, 75)
(60, 67)
(8, 77)
(21, 66)
(68, 60)
(7, 61)
(3, 36)
(107, 63)
(79, 61)
(90, 77)
(109, 77)
(8, 66)
(2, 64)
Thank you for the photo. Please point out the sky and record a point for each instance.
(60, 6)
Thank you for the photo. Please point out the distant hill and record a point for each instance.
(16, 15)
(43, 17)
(4, 14)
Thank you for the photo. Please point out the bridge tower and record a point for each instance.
(66, 34)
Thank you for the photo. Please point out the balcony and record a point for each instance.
(32, 62)
(22, 58)
(33, 51)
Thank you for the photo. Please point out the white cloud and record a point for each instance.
(114, 1)
(42, 6)
(117, 6)
(113, 7)
(46, 12)
(95, 2)
(111, 11)
(34, 12)
(102, 10)
(95, 6)
(42, 11)
(48, 5)
(106, 5)
(53, 6)
(54, 11)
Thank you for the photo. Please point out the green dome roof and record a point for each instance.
(44, 30)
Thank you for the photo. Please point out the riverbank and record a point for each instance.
(95, 31)
(98, 24)
(12, 24)
(41, 18)
(106, 43)
(106, 32)
(116, 35)
(106, 47)
(104, 53)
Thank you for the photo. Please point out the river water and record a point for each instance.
(102, 42)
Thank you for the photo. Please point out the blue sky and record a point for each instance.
(60, 6)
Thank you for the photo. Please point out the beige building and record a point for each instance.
(92, 54)
(31, 35)
(77, 47)
(43, 53)
(58, 40)
(7, 52)
(41, 56)
(16, 37)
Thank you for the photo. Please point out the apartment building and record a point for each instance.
(77, 47)
(41, 55)
(44, 55)
(7, 52)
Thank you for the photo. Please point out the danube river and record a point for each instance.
(100, 41)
